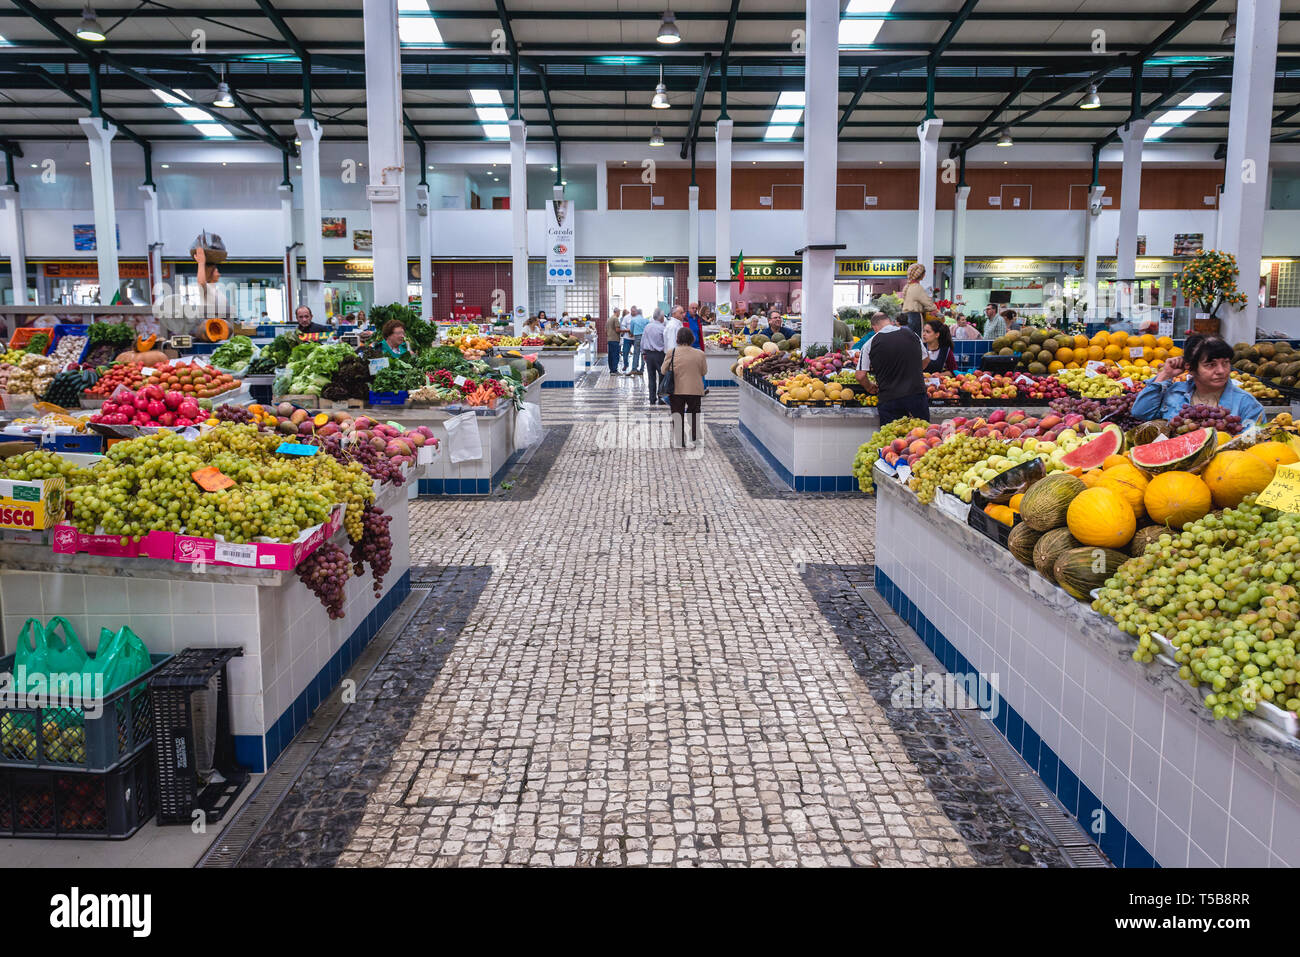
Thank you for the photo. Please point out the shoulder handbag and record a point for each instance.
(666, 383)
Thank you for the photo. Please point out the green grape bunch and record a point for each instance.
(869, 451)
(942, 467)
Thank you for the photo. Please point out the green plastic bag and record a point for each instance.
(52, 650)
(121, 658)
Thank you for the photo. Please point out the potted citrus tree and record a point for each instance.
(1210, 280)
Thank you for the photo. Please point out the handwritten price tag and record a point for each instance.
(294, 448)
(460, 381)
(1135, 352)
(211, 479)
(377, 365)
(903, 471)
(1284, 491)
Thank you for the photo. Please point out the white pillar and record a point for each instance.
(1091, 229)
(152, 239)
(290, 257)
(693, 245)
(602, 187)
(386, 150)
(519, 221)
(99, 136)
(722, 216)
(425, 220)
(1245, 181)
(959, 242)
(17, 242)
(1131, 135)
(313, 282)
(928, 134)
(820, 156)
(559, 289)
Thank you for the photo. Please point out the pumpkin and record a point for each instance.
(1080, 570)
(145, 343)
(1274, 453)
(1232, 476)
(1130, 483)
(1045, 503)
(1176, 498)
(216, 330)
(1101, 516)
(1021, 542)
(1049, 547)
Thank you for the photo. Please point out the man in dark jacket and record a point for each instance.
(894, 356)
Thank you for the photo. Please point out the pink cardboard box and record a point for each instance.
(67, 540)
(277, 556)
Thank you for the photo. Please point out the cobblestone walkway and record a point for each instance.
(653, 671)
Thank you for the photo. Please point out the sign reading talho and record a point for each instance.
(560, 265)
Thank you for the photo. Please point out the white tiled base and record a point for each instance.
(806, 445)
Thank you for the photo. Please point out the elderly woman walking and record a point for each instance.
(687, 368)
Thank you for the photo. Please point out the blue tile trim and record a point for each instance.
(558, 384)
(1119, 845)
(249, 747)
(799, 483)
(771, 459)
(720, 383)
(468, 486)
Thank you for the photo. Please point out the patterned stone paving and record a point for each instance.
(644, 663)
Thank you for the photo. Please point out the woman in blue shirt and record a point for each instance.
(1208, 361)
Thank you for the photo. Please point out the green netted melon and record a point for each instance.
(758, 339)
(1021, 542)
(1145, 536)
(795, 342)
(1049, 547)
(1045, 504)
(1080, 570)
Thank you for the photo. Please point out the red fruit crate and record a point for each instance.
(97, 805)
(24, 336)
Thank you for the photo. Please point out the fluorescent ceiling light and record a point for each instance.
(497, 132)
(416, 24)
(785, 118)
(855, 33)
(1188, 108)
(90, 29)
(203, 121)
(214, 131)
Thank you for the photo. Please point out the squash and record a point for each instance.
(1021, 542)
(1049, 547)
(1101, 516)
(1080, 570)
(1176, 498)
(154, 358)
(144, 344)
(216, 330)
(1045, 503)
(1232, 476)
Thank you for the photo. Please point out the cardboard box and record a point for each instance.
(31, 505)
(68, 541)
(278, 556)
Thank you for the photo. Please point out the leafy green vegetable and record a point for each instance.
(280, 349)
(419, 334)
(399, 378)
(234, 353)
(444, 357)
(37, 344)
(301, 351)
(262, 365)
(116, 334)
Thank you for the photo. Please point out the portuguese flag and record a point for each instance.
(740, 271)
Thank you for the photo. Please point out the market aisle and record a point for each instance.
(642, 672)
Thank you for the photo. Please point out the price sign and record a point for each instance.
(1126, 382)
(235, 554)
(1023, 379)
(1135, 352)
(295, 448)
(460, 381)
(1284, 491)
(377, 365)
(147, 370)
(211, 479)
(1090, 369)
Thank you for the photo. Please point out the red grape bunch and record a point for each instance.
(326, 572)
(1193, 417)
(232, 413)
(375, 546)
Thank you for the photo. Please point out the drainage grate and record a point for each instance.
(248, 822)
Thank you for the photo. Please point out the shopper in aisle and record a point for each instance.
(965, 329)
(654, 351)
(393, 340)
(994, 325)
(939, 354)
(692, 323)
(305, 324)
(1208, 362)
(639, 322)
(613, 330)
(625, 339)
(673, 324)
(1013, 320)
(894, 355)
(917, 304)
(689, 368)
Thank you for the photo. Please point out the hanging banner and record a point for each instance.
(560, 266)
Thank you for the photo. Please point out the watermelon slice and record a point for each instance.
(1092, 454)
(1188, 452)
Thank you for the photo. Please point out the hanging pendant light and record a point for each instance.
(656, 137)
(1092, 101)
(223, 99)
(1230, 31)
(668, 32)
(660, 101)
(90, 29)
(1004, 139)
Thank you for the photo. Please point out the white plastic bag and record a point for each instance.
(528, 425)
(463, 443)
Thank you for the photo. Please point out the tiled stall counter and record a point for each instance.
(476, 477)
(294, 655)
(1128, 748)
(811, 449)
(720, 364)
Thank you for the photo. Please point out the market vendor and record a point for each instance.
(533, 326)
(393, 342)
(775, 324)
(1208, 362)
(306, 325)
(939, 355)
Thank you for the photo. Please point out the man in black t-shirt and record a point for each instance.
(894, 355)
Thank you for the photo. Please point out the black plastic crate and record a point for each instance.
(172, 689)
(96, 805)
(65, 739)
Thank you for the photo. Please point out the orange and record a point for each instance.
(1064, 354)
(1149, 341)
(1081, 355)
(1080, 342)
(1056, 366)
(1119, 339)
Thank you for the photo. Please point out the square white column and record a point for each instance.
(1091, 233)
(17, 242)
(519, 222)
(313, 279)
(386, 192)
(693, 244)
(928, 135)
(722, 217)
(960, 199)
(99, 137)
(424, 219)
(820, 158)
(152, 239)
(1131, 136)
